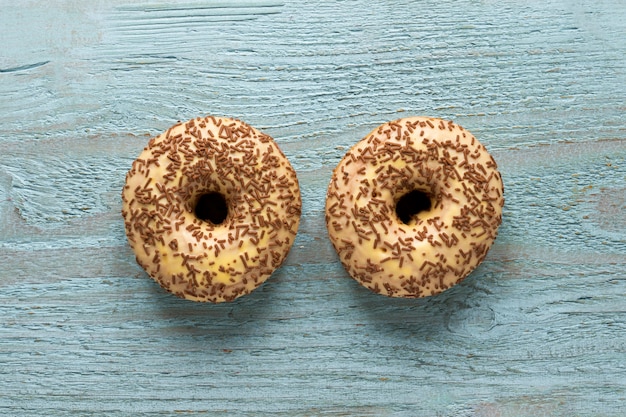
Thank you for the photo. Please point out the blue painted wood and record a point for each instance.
(537, 329)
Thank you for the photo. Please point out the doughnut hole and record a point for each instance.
(411, 204)
(212, 207)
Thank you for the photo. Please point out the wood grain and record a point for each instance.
(537, 330)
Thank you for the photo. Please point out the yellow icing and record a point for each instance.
(439, 258)
(174, 238)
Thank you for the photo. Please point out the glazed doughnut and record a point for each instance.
(211, 207)
(414, 207)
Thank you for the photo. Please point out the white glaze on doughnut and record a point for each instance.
(437, 248)
(196, 259)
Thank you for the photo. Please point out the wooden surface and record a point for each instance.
(537, 330)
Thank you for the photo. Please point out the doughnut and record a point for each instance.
(413, 207)
(211, 208)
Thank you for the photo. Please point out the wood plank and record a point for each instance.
(537, 329)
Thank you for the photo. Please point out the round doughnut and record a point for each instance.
(414, 207)
(211, 208)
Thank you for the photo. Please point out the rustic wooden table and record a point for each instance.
(537, 330)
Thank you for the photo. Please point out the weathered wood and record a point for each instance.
(537, 329)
